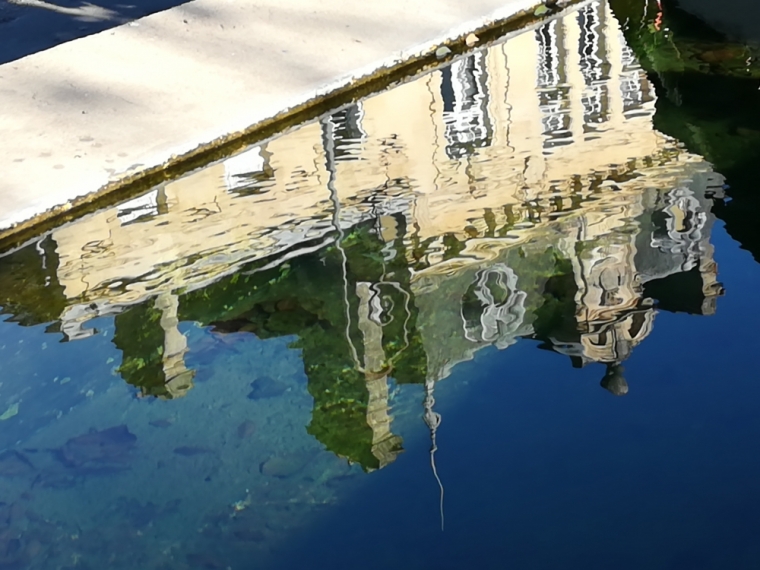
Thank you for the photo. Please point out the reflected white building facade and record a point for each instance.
(544, 141)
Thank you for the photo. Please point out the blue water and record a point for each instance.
(542, 469)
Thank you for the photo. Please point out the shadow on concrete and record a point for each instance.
(30, 26)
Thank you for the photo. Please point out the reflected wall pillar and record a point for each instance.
(711, 287)
(385, 445)
(179, 379)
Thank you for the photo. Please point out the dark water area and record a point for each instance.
(542, 469)
(707, 80)
(30, 26)
(500, 315)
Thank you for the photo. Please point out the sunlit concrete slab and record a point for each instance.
(98, 109)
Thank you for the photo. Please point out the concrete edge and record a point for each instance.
(397, 69)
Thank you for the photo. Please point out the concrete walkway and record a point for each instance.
(92, 112)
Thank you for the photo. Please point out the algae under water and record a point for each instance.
(495, 316)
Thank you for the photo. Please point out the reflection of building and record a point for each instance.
(610, 276)
(464, 90)
(458, 151)
(385, 445)
(520, 192)
(612, 269)
(493, 309)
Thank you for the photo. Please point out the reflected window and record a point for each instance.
(551, 72)
(610, 298)
(594, 66)
(592, 46)
(347, 132)
(143, 208)
(553, 89)
(678, 227)
(249, 172)
(638, 320)
(464, 89)
(634, 85)
(493, 308)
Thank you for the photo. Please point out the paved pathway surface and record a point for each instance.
(99, 108)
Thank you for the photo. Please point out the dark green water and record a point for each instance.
(498, 321)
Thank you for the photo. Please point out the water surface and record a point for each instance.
(487, 318)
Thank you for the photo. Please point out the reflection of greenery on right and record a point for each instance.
(708, 98)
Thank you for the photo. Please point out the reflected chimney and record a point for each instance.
(613, 380)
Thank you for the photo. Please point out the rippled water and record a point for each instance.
(487, 318)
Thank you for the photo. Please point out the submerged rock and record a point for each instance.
(249, 535)
(104, 450)
(138, 515)
(205, 561)
(14, 464)
(11, 514)
(53, 480)
(246, 429)
(190, 450)
(11, 553)
(266, 387)
(141, 515)
(285, 465)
